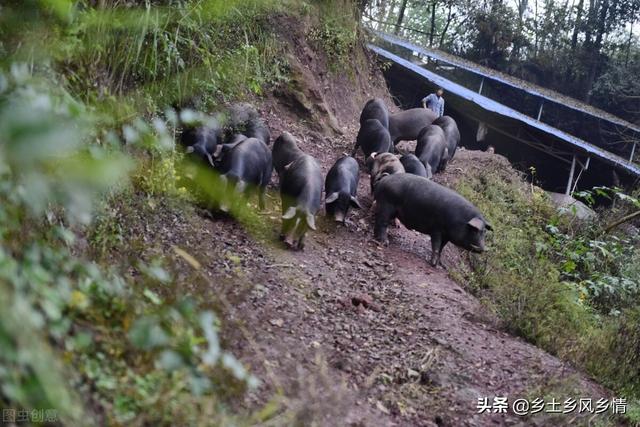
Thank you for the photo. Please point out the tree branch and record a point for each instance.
(621, 221)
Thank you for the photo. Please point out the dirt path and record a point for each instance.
(353, 333)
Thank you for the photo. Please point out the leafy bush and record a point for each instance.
(337, 32)
(516, 278)
(565, 286)
(136, 356)
(124, 59)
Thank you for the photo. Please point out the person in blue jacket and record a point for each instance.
(434, 102)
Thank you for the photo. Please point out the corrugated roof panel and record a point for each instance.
(497, 108)
(496, 76)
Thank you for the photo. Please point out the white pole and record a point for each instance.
(540, 110)
(573, 169)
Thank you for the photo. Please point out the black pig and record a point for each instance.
(301, 193)
(245, 167)
(255, 128)
(340, 188)
(413, 165)
(429, 208)
(285, 151)
(372, 137)
(406, 125)
(201, 142)
(432, 150)
(451, 133)
(375, 109)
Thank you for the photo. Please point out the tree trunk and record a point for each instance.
(433, 23)
(595, 49)
(362, 5)
(388, 14)
(522, 8)
(400, 17)
(594, 5)
(535, 20)
(446, 25)
(626, 59)
(622, 220)
(577, 25)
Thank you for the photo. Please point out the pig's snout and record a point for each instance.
(289, 241)
(339, 216)
(478, 248)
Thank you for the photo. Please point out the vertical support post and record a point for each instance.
(582, 169)
(540, 109)
(571, 172)
(633, 151)
(481, 85)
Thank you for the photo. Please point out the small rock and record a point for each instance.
(412, 374)
(382, 408)
(277, 322)
(362, 299)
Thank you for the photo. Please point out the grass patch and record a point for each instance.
(516, 279)
(562, 285)
(337, 33)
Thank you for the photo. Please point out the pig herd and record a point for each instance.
(401, 185)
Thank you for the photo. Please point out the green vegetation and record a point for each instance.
(95, 328)
(337, 33)
(136, 354)
(564, 285)
(87, 137)
(83, 91)
(124, 60)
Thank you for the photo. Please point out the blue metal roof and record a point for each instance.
(526, 87)
(497, 108)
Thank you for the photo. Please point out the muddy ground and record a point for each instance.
(348, 332)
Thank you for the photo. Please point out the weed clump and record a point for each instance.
(565, 286)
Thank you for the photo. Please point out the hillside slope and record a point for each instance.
(348, 332)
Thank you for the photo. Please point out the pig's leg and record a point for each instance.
(261, 197)
(437, 243)
(286, 223)
(384, 214)
(355, 149)
(266, 177)
(301, 242)
(443, 164)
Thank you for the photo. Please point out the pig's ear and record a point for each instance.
(311, 221)
(190, 149)
(331, 197)
(290, 213)
(355, 203)
(476, 223)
